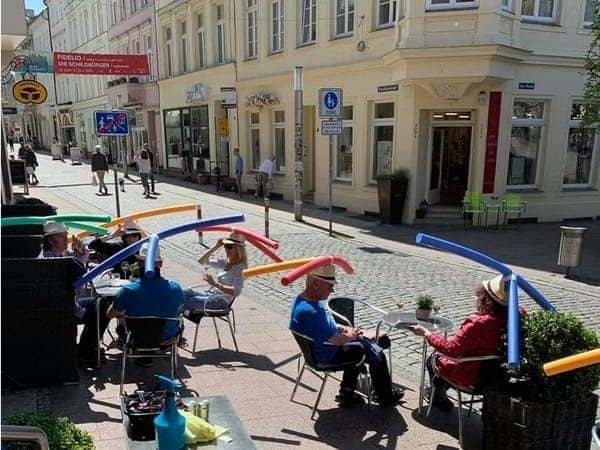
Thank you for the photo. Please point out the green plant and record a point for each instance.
(424, 302)
(546, 336)
(62, 433)
(396, 176)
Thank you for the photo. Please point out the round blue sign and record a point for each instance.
(331, 100)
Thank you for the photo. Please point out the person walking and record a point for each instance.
(265, 171)
(146, 147)
(99, 168)
(144, 168)
(11, 143)
(30, 164)
(239, 170)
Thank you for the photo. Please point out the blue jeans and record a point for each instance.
(201, 300)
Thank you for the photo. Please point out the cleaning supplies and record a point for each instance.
(170, 425)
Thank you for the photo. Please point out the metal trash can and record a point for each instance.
(569, 253)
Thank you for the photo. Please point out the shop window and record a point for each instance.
(308, 23)
(382, 132)
(279, 140)
(343, 159)
(539, 10)
(188, 129)
(254, 140)
(200, 41)
(588, 16)
(526, 141)
(252, 13)
(386, 13)
(344, 17)
(277, 25)
(581, 152)
(450, 4)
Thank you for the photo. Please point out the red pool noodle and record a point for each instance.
(247, 233)
(266, 250)
(319, 261)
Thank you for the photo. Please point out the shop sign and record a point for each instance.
(7, 110)
(65, 118)
(100, 64)
(387, 88)
(491, 144)
(32, 62)
(196, 93)
(527, 85)
(228, 97)
(223, 126)
(29, 91)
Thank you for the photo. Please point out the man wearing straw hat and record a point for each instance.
(56, 243)
(106, 246)
(336, 344)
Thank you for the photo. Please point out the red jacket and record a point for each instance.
(479, 335)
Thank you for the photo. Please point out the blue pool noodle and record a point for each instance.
(513, 322)
(153, 241)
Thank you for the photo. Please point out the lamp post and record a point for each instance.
(299, 166)
(57, 134)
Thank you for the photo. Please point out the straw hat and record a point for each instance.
(51, 228)
(131, 228)
(235, 239)
(144, 252)
(324, 273)
(495, 288)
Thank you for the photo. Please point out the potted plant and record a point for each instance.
(424, 306)
(528, 409)
(422, 209)
(391, 191)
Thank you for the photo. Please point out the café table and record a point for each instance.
(436, 323)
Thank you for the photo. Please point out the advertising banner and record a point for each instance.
(100, 64)
(32, 61)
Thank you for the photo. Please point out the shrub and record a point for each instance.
(62, 433)
(424, 302)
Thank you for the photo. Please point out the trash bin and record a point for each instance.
(569, 253)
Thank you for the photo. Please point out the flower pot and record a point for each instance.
(392, 196)
(422, 314)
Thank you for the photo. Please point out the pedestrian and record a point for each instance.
(265, 171)
(30, 164)
(99, 168)
(239, 170)
(21, 152)
(152, 167)
(144, 168)
(11, 143)
(186, 159)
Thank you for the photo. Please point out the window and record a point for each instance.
(447, 4)
(279, 139)
(85, 25)
(169, 52)
(526, 139)
(94, 24)
(252, 13)
(506, 5)
(308, 25)
(184, 64)
(220, 35)
(580, 151)
(383, 139)
(200, 40)
(123, 10)
(588, 16)
(386, 13)
(344, 17)
(133, 6)
(539, 10)
(277, 25)
(113, 8)
(136, 47)
(343, 158)
(255, 139)
(148, 45)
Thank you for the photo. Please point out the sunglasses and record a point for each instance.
(228, 246)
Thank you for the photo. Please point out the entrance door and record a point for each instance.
(449, 175)
(308, 141)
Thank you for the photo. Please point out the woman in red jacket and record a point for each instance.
(479, 335)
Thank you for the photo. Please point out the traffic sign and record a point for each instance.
(331, 127)
(111, 123)
(330, 102)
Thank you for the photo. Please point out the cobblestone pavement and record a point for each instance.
(383, 273)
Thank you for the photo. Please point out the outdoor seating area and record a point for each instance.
(481, 210)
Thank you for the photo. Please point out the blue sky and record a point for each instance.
(36, 5)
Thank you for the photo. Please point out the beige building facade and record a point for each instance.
(467, 95)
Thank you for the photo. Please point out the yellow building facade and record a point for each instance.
(467, 95)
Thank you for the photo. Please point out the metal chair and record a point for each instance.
(469, 390)
(226, 315)
(472, 204)
(144, 341)
(512, 203)
(323, 371)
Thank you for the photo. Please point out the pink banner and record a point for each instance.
(100, 64)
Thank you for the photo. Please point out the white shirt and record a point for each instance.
(144, 165)
(266, 166)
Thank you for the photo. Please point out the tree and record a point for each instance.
(592, 66)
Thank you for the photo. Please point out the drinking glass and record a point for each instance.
(125, 268)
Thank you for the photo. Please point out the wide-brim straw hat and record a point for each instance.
(52, 227)
(495, 289)
(325, 273)
(131, 228)
(235, 239)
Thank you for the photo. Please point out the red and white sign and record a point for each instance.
(100, 64)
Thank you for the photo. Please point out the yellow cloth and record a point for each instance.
(199, 430)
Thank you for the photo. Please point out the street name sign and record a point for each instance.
(111, 123)
(330, 103)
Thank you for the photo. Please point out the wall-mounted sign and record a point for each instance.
(196, 93)
(100, 64)
(331, 127)
(388, 88)
(6, 110)
(32, 61)
(65, 118)
(228, 97)
(527, 85)
(223, 126)
(29, 91)
(330, 103)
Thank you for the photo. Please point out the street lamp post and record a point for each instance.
(299, 167)
(57, 134)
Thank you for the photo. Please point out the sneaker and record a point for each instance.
(349, 399)
(392, 400)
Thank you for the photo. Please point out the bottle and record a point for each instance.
(170, 425)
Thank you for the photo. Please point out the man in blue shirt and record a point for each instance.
(156, 297)
(239, 170)
(335, 344)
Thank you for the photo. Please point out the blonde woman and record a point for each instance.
(230, 278)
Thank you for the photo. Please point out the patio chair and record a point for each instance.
(472, 204)
(512, 203)
(323, 371)
(473, 391)
(144, 341)
(226, 315)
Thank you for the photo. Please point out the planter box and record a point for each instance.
(512, 423)
(392, 196)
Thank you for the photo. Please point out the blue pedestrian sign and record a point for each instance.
(111, 123)
(330, 103)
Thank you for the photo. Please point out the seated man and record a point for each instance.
(56, 243)
(155, 297)
(333, 344)
(129, 234)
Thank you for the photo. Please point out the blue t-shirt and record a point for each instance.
(239, 165)
(152, 297)
(311, 319)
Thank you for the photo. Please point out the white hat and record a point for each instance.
(144, 252)
(52, 227)
(325, 273)
(98, 147)
(495, 289)
(235, 239)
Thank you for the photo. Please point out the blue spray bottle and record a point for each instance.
(170, 425)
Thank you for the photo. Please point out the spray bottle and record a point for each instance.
(170, 425)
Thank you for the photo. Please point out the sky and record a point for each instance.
(36, 5)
